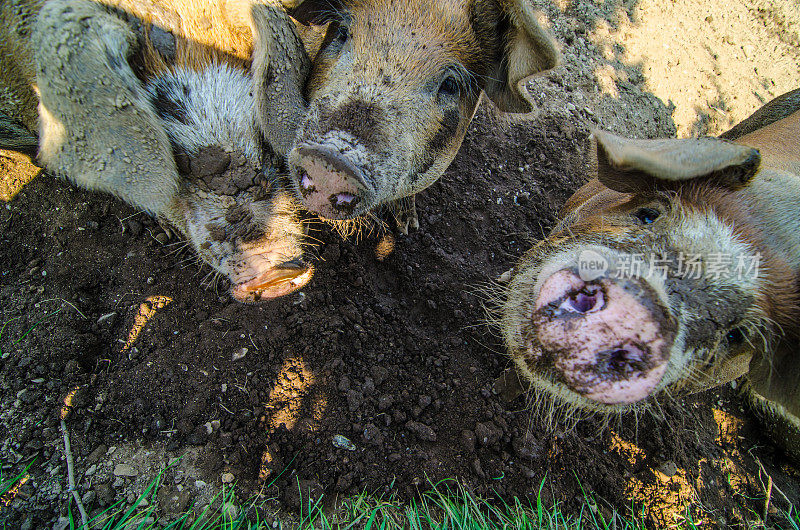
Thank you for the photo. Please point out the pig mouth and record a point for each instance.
(274, 283)
(607, 340)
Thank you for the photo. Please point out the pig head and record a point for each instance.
(674, 269)
(393, 87)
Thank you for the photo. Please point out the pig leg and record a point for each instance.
(405, 212)
(97, 126)
(775, 393)
(280, 69)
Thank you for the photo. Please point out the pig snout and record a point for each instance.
(330, 184)
(608, 339)
(277, 281)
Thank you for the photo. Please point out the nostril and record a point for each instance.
(624, 360)
(345, 202)
(343, 199)
(588, 299)
(306, 184)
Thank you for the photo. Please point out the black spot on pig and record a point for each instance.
(169, 100)
(237, 213)
(252, 233)
(439, 142)
(444, 134)
(216, 232)
(164, 42)
(358, 118)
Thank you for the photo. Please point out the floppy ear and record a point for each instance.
(522, 47)
(631, 166)
(280, 69)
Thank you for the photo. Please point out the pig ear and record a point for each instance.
(631, 166)
(280, 69)
(527, 49)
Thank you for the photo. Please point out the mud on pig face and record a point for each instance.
(648, 286)
(231, 205)
(394, 86)
(250, 234)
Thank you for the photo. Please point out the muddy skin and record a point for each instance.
(687, 209)
(393, 88)
(232, 203)
(145, 102)
(582, 343)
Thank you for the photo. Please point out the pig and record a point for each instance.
(393, 87)
(231, 199)
(377, 117)
(166, 119)
(714, 226)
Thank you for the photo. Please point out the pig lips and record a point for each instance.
(278, 281)
(607, 340)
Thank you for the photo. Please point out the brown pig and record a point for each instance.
(377, 117)
(676, 268)
(393, 86)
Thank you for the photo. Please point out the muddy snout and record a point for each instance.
(330, 181)
(277, 281)
(607, 339)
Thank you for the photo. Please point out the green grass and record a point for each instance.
(446, 505)
(7, 485)
(22, 337)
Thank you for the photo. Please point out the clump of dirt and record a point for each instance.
(219, 171)
(379, 375)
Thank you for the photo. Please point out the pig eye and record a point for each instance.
(338, 35)
(342, 34)
(449, 88)
(646, 216)
(735, 337)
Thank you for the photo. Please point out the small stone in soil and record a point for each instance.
(341, 442)
(124, 470)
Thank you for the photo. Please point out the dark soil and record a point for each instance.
(388, 346)
(392, 353)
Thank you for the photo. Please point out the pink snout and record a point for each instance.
(608, 339)
(330, 184)
(275, 282)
